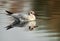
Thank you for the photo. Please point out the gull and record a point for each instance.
(21, 19)
(24, 16)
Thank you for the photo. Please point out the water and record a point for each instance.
(43, 32)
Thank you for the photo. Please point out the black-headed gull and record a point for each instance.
(24, 16)
(22, 19)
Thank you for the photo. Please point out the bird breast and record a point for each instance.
(31, 17)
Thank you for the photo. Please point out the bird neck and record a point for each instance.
(31, 17)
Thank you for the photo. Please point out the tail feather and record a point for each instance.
(9, 13)
(9, 27)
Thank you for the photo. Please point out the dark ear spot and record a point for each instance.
(28, 13)
(31, 12)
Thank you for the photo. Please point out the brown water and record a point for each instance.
(48, 26)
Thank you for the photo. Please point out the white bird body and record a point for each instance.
(24, 16)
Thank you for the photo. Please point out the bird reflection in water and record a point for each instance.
(32, 25)
(22, 20)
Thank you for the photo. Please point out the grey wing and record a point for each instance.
(23, 16)
(16, 22)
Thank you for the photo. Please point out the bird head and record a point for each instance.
(31, 12)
